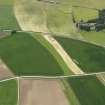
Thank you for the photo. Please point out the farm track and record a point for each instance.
(53, 77)
(72, 66)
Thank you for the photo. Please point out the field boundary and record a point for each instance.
(52, 77)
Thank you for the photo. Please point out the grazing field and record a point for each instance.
(8, 93)
(90, 58)
(88, 90)
(7, 16)
(24, 55)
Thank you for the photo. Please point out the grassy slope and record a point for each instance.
(88, 90)
(91, 58)
(7, 17)
(8, 93)
(50, 48)
(26, 56)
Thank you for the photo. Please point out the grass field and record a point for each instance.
(7, 16)
(90, 58)
(88, 90)
(24, 55)
(8, 93)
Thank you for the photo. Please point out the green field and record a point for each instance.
(90, 58)
(7, 16)
(24, 55)
(8, 93)
(88, 90)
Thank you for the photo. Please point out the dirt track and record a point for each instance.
(42, 92)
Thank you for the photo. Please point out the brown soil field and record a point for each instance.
(42, 92)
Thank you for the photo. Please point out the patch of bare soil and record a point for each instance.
(4, 71)
(42, 92)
